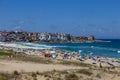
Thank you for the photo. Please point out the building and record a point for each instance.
(3, 39)
(54, 36)
(43, 36)
(65, 37)
(91, 38)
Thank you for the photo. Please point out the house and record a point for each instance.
(35, 36)
(54, 36)
(83, 38)
(49, 36)
(43, 36)
(65, 37)
(91, 38)
(20, 37)
(3, 39)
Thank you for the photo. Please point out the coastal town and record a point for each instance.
(23, 61)
(23, 36)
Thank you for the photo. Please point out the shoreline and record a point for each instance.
(60, 54)
(43, 64)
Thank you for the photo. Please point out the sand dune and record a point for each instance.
(11, 66)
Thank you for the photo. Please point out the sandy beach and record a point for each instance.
(28, 70)
(47, 64)
(11, 66)
(59, 39)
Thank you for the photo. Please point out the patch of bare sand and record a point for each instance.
(11, 66)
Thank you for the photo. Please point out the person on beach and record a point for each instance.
(47, 54)
(54, 56)
(65, 56)
(100, 65)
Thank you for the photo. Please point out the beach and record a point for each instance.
(25, 61)
(13, 65)
(28, 69)
(59, 39)
(42, 50)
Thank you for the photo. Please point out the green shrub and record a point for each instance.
(5, 54)
(16, 73)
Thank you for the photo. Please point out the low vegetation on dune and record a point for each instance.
(74, 74)
(2, 53)
(9, 55)
(74, 63)
(30, 58)
(87, 71)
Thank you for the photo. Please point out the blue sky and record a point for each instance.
(77, 17)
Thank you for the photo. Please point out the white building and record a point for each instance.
(43, 36)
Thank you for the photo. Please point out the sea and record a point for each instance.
(108, 48)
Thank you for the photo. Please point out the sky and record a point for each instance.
(100, 18)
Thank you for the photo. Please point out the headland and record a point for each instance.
(24, 36)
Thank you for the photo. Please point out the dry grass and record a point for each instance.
(16, 72)
(98, 75)
(71, 77)
(81, 74)
(3, 53)
(78, 74)
(8, 76)
(36, 59)
(75, 63)
(85, 72)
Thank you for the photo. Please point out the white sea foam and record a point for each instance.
(118, 51)
(36, 45)
(23, 45)
(92, 46)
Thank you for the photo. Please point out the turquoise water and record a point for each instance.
(110, 48)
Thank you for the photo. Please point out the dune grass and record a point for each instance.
(85, 71)
(71, 77)
(75, 63)
(2, 53)
(75, 74)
